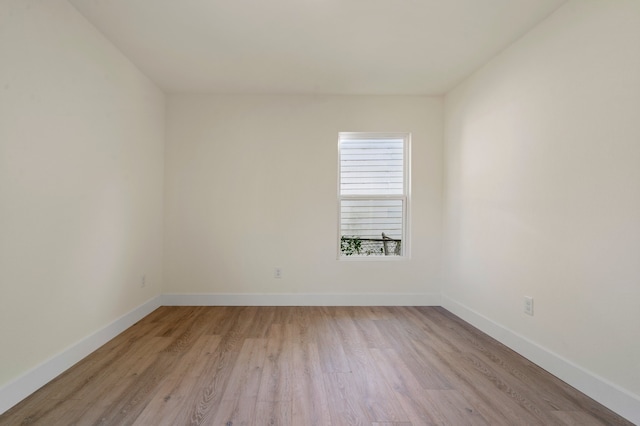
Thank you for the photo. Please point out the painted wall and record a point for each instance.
(542, 189)
(81, 174)
(251, 185)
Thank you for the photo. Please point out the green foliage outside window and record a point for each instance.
(350, 246)
(353, 245)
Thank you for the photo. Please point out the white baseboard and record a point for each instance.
(15, 391)
(606, 393)
(301, 299)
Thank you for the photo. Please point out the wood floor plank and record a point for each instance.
(170, 397)
(487, 392)
(419, 362)
(556, 396)
(274, 413)
(391, 424)
(238, 412)
(310, 399)
(275, 383)
(139, 391)
(454, 408)
(246, 375)
(261, 319)
(165, 409)
(116, 386)
(370, 333)
(209, 386)
(306, 366)
(407, 388)
(577, 418)
(374, 393)
(349, 333)
(71, 392)
(344, 402)
(330, 345)
(520, 368)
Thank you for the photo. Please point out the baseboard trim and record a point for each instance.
(20, 388)
(301, 299)
(606, 393)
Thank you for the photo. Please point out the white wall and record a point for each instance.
(542, 189)
(81, 174)
(251, 185)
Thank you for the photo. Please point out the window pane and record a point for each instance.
(363, 223)
(372, 166)
(370, 218)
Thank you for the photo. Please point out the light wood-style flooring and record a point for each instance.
(304, 366)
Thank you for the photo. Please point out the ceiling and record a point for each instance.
(312, 46)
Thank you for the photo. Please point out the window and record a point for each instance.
(373, 194)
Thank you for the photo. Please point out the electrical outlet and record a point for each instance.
(528, 305)
(143, 281)
(277, 273)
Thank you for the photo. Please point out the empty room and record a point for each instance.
(367, 212)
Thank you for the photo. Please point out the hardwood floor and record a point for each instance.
(306, 366)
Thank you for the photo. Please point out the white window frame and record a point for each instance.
(405, 197)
